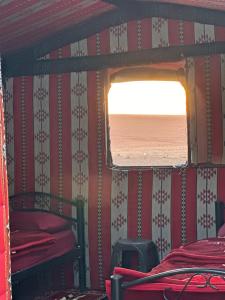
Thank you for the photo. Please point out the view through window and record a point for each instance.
(148, 123)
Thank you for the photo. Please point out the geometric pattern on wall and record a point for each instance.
(161, 210)
(204, 33)
(160, 33)
(206, 197)
(79, 132)
(163, 183)
(41, 134)
(119, 199)
(118, 38)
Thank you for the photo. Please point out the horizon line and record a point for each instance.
(159, 115)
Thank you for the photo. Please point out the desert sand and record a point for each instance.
(147, 140)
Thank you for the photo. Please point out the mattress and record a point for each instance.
(31, 248)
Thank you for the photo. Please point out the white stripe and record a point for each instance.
(41, 127)
(206, 197)
(161, 210)
(119, 198)
(79, 133)
(160, 37)
(118, 38)
(204, 33)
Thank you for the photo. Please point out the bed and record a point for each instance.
(193, 271)
(43, 234)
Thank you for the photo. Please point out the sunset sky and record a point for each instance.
(147, 97)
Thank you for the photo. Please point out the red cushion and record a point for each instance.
(20, 220)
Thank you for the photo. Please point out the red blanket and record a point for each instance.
(206, 253)
(22, 241)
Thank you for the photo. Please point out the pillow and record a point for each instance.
(37, 220)
(221, 231)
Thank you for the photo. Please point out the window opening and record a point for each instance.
(147, 123)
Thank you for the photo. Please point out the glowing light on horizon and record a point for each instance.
(147, 98)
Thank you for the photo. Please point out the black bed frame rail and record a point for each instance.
(36, 201)
(219, 206)
(118, 286)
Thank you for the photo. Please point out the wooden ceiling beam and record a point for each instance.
(99, 62)
(128, 10)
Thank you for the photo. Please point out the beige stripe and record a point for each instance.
(41, 126)
(79, 137)
(206, 197)
(118, 38)
(160, 36)
(161, 208)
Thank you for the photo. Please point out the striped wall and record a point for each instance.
(56, 142)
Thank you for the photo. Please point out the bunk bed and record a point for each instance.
(43, 234)
(193, 271)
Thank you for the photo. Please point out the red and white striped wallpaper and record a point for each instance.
(56, 142)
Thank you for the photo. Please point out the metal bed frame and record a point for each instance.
(45, 202)
(118, 285)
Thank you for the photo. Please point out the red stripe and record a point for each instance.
(219, 33)
(146, 220)
(93, 169)
(189, 33)
(106, 220)
(220, 184)
(132, 35)
(53, 111)
(216, 104)
(132, 205)
(201, 109)
(93, 177)
(29, 133)
(176, 185)
(146, 34)
(191, 204)
(23, 135)
(66, 132)
(106, 178)
(173, 32)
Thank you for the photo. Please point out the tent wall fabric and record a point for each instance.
(5, 293)
(26, 22)
(56, 143)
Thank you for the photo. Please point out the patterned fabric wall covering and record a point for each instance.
(5, 292)
(25, 22)
(56, 142)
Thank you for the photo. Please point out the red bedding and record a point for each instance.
(205, 253)
(27, 240)
(29, 248)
